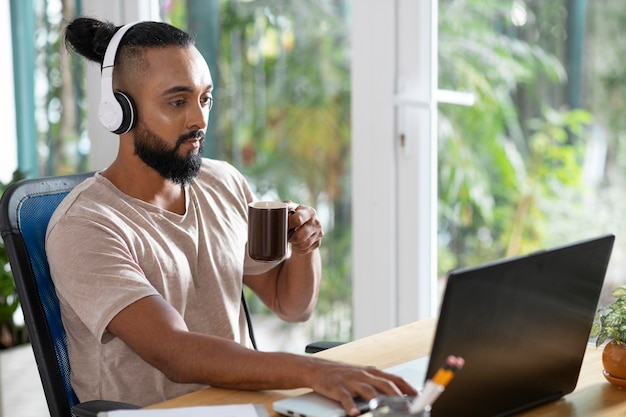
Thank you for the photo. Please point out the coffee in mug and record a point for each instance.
(267, 230)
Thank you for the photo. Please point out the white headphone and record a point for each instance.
(116, 111)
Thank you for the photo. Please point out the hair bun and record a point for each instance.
(89, 37)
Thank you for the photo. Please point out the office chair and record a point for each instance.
(25, 209)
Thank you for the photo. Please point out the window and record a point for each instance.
(346, 109)
(534, 162)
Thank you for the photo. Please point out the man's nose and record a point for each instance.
(198, 117)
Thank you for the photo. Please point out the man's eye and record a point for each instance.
(178, 103)
(207, 101)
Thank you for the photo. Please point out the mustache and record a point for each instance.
(194, 134)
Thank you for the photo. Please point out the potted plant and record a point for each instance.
(610, 327)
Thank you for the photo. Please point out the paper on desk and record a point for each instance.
(239, 410)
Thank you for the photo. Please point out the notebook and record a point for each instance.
(522, 325)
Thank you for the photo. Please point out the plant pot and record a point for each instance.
(614, 362)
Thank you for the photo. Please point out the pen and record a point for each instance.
(435, 386)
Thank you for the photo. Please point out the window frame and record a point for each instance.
(394, 163)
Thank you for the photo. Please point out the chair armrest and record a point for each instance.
(319, 346)
(92, 408)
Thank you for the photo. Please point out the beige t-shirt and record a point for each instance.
(107, 250)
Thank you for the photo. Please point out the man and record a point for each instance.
(150, 296)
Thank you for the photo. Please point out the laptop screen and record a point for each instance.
(522, 325)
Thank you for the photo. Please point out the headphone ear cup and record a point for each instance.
(116, 111)
(129, 113)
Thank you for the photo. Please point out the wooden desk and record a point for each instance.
(593, 396)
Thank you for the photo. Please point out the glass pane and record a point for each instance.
(537, 161)
(60, 115)
(282, 116)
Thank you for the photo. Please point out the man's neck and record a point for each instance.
(146, 184)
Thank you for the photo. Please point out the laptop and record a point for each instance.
(522, 325)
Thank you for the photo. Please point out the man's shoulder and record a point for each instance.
(218, 177)
(88, 196)
(90, 191)
(216, 165)
(217, 169)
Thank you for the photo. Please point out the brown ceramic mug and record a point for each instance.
(267, 230)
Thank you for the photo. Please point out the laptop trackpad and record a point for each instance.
(414, 372)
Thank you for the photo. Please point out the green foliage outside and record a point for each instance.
(501, 170)
(290, 75)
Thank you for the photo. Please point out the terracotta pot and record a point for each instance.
(614, 360)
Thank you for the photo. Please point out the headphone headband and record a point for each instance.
(116, 111)
(114, 43)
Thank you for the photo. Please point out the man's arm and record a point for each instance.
(158, 334)
(290, 289)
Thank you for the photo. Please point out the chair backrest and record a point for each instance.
(25, 210)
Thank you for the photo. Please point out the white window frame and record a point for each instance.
(394, 131)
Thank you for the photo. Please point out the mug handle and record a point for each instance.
(290, 232)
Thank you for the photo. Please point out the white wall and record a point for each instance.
(8, 155)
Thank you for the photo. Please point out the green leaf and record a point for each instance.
(619, 292)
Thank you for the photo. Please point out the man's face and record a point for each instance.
(173, 99)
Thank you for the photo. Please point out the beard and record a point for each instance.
(152, 149)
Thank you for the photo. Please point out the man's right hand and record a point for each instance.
(344, 383)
